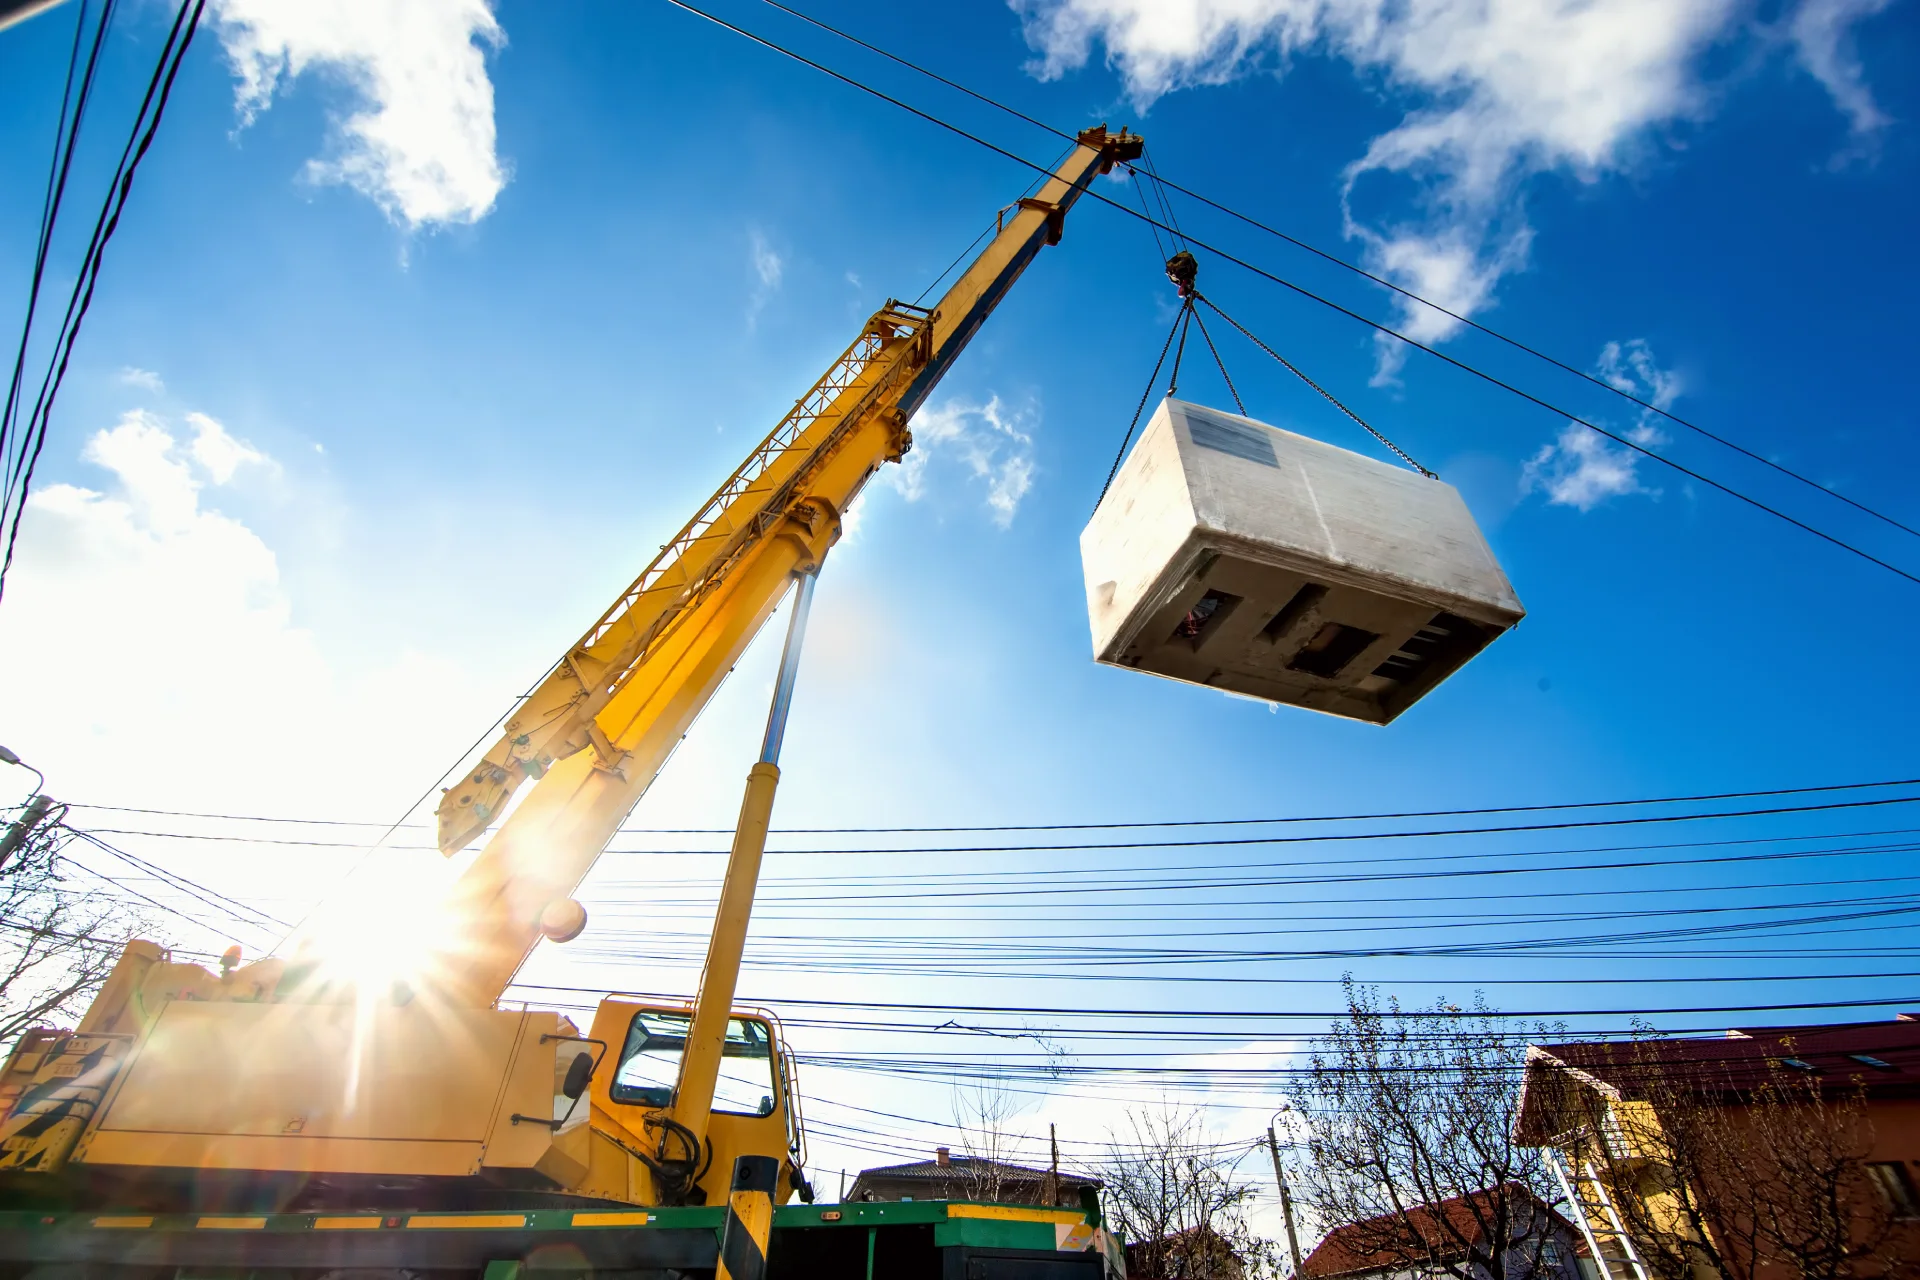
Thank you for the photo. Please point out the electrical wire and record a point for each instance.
(1336, 260)
(1269, 1015)
(20, 479)
(73, 109)
(1375, 325)
(1485, 811)
(211, 897)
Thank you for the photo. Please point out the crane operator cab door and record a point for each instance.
(753, 1109)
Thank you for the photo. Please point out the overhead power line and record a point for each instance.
(1165, 183)
(66, 138)
(1624, 441)
(1268, 1015)
(1303, 819)
(26, 449)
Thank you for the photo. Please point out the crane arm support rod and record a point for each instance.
(713, 1004)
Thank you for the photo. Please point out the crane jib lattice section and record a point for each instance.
(557, 718)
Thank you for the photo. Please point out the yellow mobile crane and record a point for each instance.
(279, 1087)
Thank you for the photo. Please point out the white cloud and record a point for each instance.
(1822, 39)
(768, 266)
(993, 444)
(766, 263)
(1502, 91)
(177, 614)
(219, 453)
(1581, 468)
(145, 379)
(420, 142)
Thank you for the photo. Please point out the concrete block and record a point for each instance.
(1232, 554)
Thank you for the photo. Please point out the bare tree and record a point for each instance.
(1735, 1169)
(983, 1113)
(57, 942)
(1408, 1108)
(1177, 1199)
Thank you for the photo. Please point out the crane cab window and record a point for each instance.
(650, 1064)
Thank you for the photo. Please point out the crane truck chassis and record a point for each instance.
(279, 1120)
(924, 1240)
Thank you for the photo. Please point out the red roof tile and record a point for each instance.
(1345, 1250)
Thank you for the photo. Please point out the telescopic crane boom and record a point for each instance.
(597, 730)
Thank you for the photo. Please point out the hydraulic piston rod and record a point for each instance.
(713, 1005)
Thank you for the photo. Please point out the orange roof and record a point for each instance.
(1346, 1249)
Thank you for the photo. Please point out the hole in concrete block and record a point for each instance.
(1439, 642)
(1208, 612)
(1292, 611)
(1332, 647)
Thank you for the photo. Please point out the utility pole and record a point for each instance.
(1052, 1195)
(1286, 1201)
(23, 826)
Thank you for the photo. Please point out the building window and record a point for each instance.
(1800, 1064)
(1878, 1064)
(1897, 1186)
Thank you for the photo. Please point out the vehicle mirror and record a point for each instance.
(579, 1072)
(766, 1104)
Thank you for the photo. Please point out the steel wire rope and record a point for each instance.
(958, 258)
(1359, 270)
(985, 232)
(1325, 394)
(367, 851)
(1140, 190)
(1225, 377)
(165, 72)
(1145, 395)
(1160, 190)
(1304, 292)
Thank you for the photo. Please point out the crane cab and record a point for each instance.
(644, 1157)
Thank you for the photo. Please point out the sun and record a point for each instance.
(388, 926)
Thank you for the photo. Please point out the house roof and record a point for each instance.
(960, 1168)
(1881, 1058)
(1346, 1250)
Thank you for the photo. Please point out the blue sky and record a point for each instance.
(424, 330)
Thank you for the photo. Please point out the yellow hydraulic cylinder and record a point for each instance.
(713, 1005)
